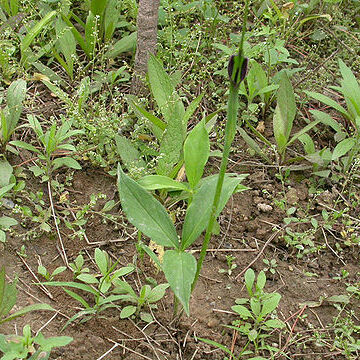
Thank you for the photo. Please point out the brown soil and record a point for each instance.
(252, 228)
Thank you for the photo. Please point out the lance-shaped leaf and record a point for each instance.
(198, 214)
(284, 113)
(180, 269)
(145, 212)
(196, 153)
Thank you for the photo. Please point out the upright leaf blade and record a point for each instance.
(198, 213)
(145, 212)
(196, 153)
(180, 269)
(284, 114)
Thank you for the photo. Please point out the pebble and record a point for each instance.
(264, 207)
(9, 204)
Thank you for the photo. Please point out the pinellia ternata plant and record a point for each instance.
(180, 267)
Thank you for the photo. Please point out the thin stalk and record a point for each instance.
(230, 130)
(236, 75)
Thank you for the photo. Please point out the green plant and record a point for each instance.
(53, 143)
(50, 276)
(257, 318)
(11, 7)
(256, 84)
(38, 347)
(99, 26)
(78, 266)
(27, 55)
(150, 217)
(196, 152)
(8, 294)
(101, 289)
(270, 265)
(347, 147)
(170, 132)
(7, 183)
(231, 265)
(147, 296)
(284, 116)
(10, 115)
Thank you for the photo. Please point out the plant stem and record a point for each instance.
(230, 131)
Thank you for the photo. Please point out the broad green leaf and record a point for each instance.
(2, 290)
(350, 89)
(129, 155)
(91, 33)
(162, 87)
(15, 96)
(270, 304)
(284, 114)
(126, 44)
(152, 118)
(171, 146)
(198, 213)
(308, 143)
(111, 17)
(196, 153)
(101, 261)
(261, 280)
(179, 269)
(62, 95)
(66, 161)
(145, 212)
(8, 293)
(249, 280)
(274, 324)
(97, 7)
(158, 182)
(327, 101)
(47, 344)
(146, 317)
(122, 287)
(255, 306)
(5, 189)
(127, 311)
(242, 311)
(342, 148)
(6, 222)
(157, 293)
(6, 171)
(344, 299)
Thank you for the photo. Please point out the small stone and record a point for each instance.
(9, 204)
(213, 322)
(292, 197)
(264, 207)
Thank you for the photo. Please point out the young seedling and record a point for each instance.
(257, 317)
(38, 347)
(100, 288)
(147, 297)
(8, 294)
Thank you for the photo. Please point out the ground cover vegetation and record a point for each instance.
(205, 209)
